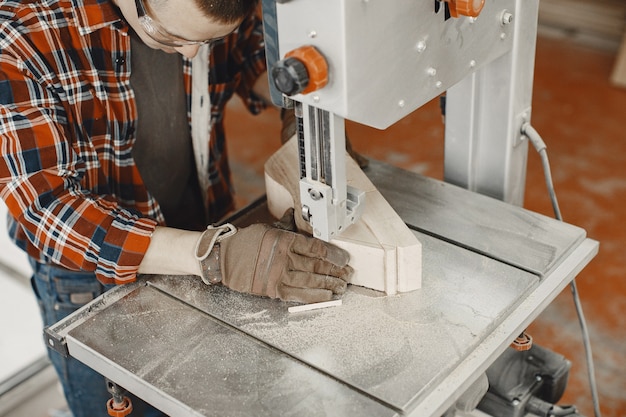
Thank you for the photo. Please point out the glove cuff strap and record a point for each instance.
(207, 251)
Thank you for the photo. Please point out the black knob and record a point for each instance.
(290, 76)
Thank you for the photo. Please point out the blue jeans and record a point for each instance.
(60, 292)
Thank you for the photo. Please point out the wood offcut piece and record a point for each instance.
(314, 306)
(384, 252)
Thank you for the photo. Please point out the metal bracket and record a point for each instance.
(55, 341)
(328, 203)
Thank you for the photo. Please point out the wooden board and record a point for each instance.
(384, 252)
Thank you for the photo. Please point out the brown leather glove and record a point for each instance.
(287, 222)
(276, 263)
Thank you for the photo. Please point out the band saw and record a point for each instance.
(489, 266)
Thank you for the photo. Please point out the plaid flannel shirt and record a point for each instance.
(67, 123)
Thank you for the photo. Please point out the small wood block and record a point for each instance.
(314, 306)
(384, 252)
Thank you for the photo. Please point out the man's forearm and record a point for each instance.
(171, 252)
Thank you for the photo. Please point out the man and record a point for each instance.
(84, 81)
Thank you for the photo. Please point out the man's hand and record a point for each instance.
(268, 261)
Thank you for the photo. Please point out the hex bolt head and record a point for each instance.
(507, 18)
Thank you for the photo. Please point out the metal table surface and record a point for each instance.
(489, 269)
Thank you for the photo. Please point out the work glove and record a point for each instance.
(287, 222)
(288, 129)
(273, 262)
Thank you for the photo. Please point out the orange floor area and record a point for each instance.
(581, 117)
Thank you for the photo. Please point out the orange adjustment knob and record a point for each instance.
(523, 342)
(470, 8)
(302, 71)
(121, 409)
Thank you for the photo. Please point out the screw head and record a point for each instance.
(507, 17)
(315, 195)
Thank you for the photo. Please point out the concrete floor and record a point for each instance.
(580, 116)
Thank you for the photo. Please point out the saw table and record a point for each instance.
(489, 269)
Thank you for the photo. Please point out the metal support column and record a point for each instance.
(484, 149)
